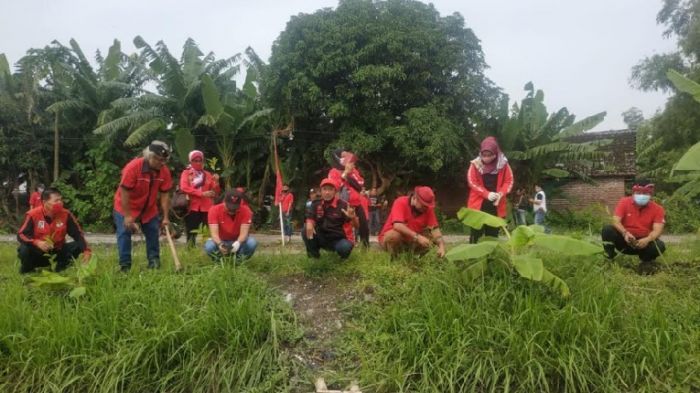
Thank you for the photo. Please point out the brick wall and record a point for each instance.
(578, 194)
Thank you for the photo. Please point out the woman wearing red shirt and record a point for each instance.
(489, 180)
(351, 184)
(201, 188)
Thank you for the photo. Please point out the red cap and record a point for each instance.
(329, 182)
(425, 195)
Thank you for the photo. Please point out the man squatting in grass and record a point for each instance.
(229, 227)
(329, 223)
(351, 183)
(43, 234)
(637, 224)
(135, 203)
(411, 217)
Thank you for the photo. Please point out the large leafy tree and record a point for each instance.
(394, 80)
(664, 138)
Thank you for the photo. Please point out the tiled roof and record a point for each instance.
(622, 158)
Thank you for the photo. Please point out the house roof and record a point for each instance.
(621, 160)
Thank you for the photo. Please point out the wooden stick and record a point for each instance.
(178, 266)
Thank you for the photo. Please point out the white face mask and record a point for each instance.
(641, 199)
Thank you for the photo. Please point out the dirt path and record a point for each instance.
(317, 303)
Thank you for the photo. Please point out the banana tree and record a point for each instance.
(239, 127)
(517, 252)
(537, 142)
(175, 110)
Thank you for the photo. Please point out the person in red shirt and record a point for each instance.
(145, 180)
(201, 188)
(329, 223)
(229, 227)
(637, 225)
(351, 184)
(287, 203)
(489, 179)
(43, 234)
(35, 197)
(410, 217)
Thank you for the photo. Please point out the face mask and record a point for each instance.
(197, 165)
(641, 199)
(57, 207)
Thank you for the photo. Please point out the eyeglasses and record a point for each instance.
(197, 160)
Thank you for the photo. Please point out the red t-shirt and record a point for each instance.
(230, 226)
(639, 220)
(401, 212)
(287, 202)
(143, 185)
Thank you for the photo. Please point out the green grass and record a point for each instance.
(425, 328)
(209, 329)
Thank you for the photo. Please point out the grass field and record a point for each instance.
(411, 325)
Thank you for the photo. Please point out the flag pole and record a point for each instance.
(278, 174)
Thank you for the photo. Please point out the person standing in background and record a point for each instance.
(539, 207)
(489, 179)
(201, 188)
(287, 204)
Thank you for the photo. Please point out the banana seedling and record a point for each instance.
(516, 253)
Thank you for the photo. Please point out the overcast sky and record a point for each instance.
(579, 52)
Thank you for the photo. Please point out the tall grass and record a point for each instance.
(212, 329)
(436, 332)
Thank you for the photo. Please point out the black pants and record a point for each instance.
(342, 247)
(364, 225)
(31, 257)
(613, 241)
(476, 234)
(192, 222)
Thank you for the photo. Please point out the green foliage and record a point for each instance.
(536, 143)
(590, 219)
(517, 252)
(682, 213)
(435, 329)
(211, 328)
(371, 76)
(73, 285)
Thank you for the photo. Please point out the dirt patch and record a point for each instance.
(318, 304)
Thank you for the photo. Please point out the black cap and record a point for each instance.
(233, 199)
(159, 150)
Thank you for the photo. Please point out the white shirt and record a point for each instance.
(543, 202)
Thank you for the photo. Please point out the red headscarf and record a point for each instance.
(490, 144)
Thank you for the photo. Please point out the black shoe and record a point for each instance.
(154, 264)
(124, 268)
(647, 268)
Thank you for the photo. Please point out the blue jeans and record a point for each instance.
(287, 222)
(246, 250)
(342, 247)
(151, 230)
(520, 217)
(539, 219)
(375, 221)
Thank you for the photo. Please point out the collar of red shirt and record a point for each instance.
(145, 168)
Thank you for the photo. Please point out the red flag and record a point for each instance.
(278, 175)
